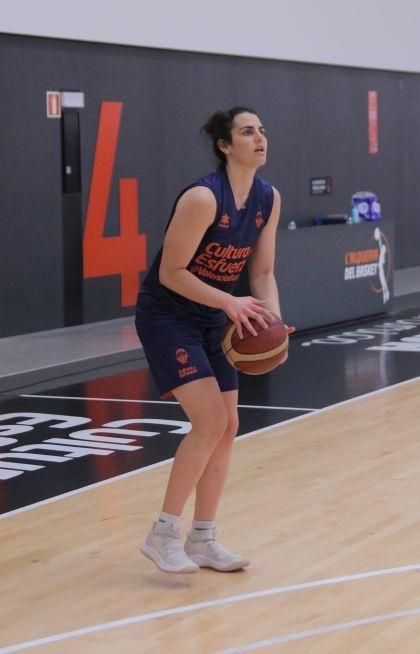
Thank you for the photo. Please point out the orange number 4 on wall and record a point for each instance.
(123, 255)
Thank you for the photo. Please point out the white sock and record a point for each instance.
(169, 519)
(200, 529)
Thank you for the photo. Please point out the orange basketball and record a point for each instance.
(255, 355)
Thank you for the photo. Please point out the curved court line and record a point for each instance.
(351, 624)
(238, 438)
(147, 617)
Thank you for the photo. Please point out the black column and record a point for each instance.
(72, 219)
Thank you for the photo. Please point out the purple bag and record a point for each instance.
(367, 205)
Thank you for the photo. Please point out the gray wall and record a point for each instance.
(317, 124)
(372, 34)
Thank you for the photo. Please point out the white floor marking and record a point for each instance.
(238, 438)
(167, 613)
(113, 399)
(282, 408)
(99, 399)
(35, 505)
(351, 624)
(328, 408)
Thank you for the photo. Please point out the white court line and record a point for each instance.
(238, 438)
(99, 399)
(282, 408)
(113, 399)
(328, 408)
(83, 489)
(148, 617)
(351, 624)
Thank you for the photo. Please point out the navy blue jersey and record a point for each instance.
(222, 253)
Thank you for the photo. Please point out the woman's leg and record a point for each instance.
(203, 403)
(205, 408)
(211, 483)
(201, 545)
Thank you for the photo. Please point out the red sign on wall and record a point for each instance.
(373, 122)
(125, 254)
(53, 104)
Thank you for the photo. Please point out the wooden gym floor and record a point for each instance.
(322, 497)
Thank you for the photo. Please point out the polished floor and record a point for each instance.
(326, 465)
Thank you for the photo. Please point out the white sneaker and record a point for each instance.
(207, 553)
(163, 547)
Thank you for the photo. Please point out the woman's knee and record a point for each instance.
(204, 405)
(212, 422)
(232, 426)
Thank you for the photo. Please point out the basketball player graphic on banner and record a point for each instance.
(219, 224)
(381, 264)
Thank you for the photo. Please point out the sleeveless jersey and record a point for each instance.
(222, 253)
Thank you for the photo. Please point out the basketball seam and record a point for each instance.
(228, 336)
(238, 356)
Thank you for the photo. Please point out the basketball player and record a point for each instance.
(217, 224)
(381, 265)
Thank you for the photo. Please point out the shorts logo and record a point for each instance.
(259, 220)
(186, 372)
(224, 221)
(181, 355)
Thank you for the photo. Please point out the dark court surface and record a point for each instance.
(81, 434)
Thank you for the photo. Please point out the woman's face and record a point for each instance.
(249, 142)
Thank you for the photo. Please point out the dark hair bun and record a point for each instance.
(219, 126)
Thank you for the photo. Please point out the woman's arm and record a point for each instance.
(261, 264)
(194, 214)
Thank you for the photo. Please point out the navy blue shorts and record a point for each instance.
(179, 351)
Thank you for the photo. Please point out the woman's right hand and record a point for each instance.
(241, 309)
